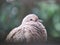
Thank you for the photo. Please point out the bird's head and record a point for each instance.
(31, 18)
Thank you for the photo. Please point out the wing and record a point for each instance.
(12, 33)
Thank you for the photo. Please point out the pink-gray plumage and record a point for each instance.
(30, 30)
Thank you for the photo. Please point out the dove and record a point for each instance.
(30, 30)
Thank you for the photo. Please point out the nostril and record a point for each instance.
(35, 20)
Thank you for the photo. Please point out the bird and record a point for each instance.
(30, 30)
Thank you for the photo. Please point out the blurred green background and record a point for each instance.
(13, 11)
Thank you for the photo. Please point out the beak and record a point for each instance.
(40, 21)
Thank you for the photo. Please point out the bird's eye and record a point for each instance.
(30, 19)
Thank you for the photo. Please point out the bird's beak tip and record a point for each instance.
(41, 21)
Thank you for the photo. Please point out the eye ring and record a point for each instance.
(30, 19)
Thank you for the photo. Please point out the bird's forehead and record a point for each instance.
(31, 16)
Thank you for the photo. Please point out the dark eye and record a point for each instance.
(30, 19)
